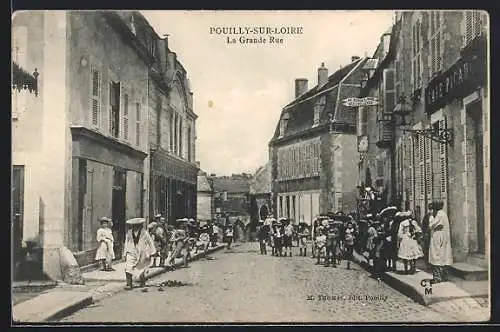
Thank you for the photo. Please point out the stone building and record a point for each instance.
(438, 132)
(172, 129)
(261, 194)
(313, 150)
(232, 197)
(82, 142)
(205, 199)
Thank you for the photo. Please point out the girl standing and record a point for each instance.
(229, 236)
(409, 249)
(105, 252)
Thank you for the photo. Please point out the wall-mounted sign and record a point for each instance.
(363, 143)
(357, 102)
(460, 80)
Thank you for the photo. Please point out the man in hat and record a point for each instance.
(105, 252)
(138, 250)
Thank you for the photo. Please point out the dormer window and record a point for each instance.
(132, 25)
(283, 123)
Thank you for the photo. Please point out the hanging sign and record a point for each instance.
(357, 102)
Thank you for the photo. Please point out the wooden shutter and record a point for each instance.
(95, 115)
(421, 162)
(428, 167)
(137, 124)
(125, 112)
(389, 90)
(443, 160)
(469, 27)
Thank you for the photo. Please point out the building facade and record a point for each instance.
(232, 198)
(261, 201)
(172, 132)
(314, 145)
(440, 149)
(83, 151)
(205, 200)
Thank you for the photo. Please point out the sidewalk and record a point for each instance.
(446, 297)
(65, 299)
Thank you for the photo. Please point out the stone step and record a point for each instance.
(477, 260)
(468, 271)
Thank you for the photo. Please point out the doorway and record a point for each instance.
(17, 212)
(118, 201)
(477, 123)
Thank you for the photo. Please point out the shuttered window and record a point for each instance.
(421, 162)
(138, 124)
(95, 99)
(380, 168)
(416, 56)
(435, 35)
(125, 123)
(428, 167)
(443, 160)
(389, 90)
(473, 24)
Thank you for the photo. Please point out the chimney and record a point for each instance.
(355, 58)
(322, 74)
(300, 87)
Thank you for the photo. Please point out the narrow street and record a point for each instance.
(240, 285)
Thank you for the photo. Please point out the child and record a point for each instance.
(229, 236)
(287, 238)
(105, 252)
(332, 246)
(303, 235)
(409, 249)
(349, 240)
(320, 243)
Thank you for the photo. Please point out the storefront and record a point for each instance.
(173, 187)
(107, 182)
(457, 99)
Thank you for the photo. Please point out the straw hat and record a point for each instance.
(105, 219)
(158, 215)
(136, 221)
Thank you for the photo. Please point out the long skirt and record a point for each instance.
(136, 264)
(105, 251)
(409, 249)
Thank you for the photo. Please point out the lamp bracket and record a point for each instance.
(436, 135)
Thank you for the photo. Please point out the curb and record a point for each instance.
(112, 288)
(400, 286)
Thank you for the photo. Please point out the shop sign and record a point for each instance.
(460, 80)
(359, 102)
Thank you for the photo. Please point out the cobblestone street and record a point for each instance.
(240, 285)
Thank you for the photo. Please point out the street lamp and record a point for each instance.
(403, 109)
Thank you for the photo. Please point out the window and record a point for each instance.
(435, 49)
(176, 145)
(416, 55)
(473, 25)
(181, 152)
(125, 117)
(380, 168)
(172, 136)
(114, 106)
(389, 92)
(95, 97)
(137, 124)
(189, 143)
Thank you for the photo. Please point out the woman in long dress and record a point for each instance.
(138, 251)
(409, 249)
(105, 252)
(440, 254)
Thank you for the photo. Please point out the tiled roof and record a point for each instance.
(301, 114)
(231, 185)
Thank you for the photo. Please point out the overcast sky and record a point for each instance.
(240, 89)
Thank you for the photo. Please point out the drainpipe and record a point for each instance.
(393, 163)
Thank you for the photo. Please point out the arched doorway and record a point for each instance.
(263, 212)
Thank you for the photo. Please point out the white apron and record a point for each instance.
(105, 250)
(138, 257)
(440, 253)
